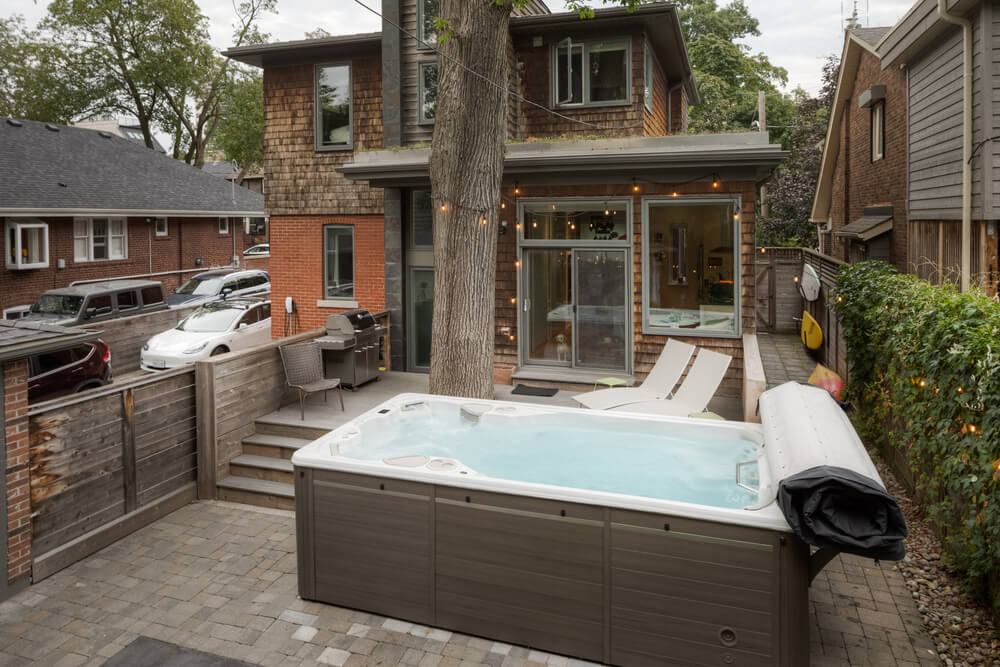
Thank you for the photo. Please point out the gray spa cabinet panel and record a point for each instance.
(689, 592)
(521, 570)
(371, 544)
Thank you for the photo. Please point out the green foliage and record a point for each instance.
(925, 374)
(241, 131)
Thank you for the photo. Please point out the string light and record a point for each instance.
(635, 186)
(503, 204)
(715, 181)
(674, 194)
(517, 264)
(513, 299)
(972, 428)
(923, 384)
(517, 190)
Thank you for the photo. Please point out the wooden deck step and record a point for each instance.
(262, 467)
(274, 446)
(301, 431)
(259, 492)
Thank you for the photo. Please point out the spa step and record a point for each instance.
(259, 492)
(287, 430)
(262, 467)
(274, 446)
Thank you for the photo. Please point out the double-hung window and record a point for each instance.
(647, 79)
(27, 241)
(426, 12)
(96, 239)
(334, 128)
(878, 130)
(161, 227)
(338, 262)
(591, 73)
(428, 88)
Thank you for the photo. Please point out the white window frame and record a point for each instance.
(87, 225)
(422, 90)
(223, 226)
(166, 226)
(587, 45)
(318, 111)
(15, 256)
(878, 130)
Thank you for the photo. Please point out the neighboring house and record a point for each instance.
(80, 205)
(920, 173)
(130, 131)
(253, 181)
(608, 245)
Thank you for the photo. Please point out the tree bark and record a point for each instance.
(466, 169)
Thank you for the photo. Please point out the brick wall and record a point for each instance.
(858, 182)
(300, 179)
(297, 267)
(614, 121)
(645, 348)
(15, 402)
(187, 238)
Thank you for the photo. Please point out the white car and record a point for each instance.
(215, 328)
(261, 250)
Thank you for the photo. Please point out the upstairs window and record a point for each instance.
(223, 225)
(333, 107)
(647, 79)
(161, 227)
(97, 239)
(27, 244)
(592, 72)
(426, 12)
(878, 130)
(428, 84)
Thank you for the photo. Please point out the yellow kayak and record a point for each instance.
(812, 334)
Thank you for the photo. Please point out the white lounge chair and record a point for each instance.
(658, 384)
(698, 388)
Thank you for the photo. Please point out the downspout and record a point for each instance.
(966, 140)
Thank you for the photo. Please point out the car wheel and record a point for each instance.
(89, 385)
(222, 349)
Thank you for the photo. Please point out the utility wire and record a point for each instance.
(487, 79)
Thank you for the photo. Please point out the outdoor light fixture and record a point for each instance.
(715, 181)
(517, 190)
(635, 186)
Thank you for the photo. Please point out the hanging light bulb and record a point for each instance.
(517, 190)
(716, 183)
(635, 186)
(503, 204)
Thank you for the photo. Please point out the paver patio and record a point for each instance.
(221, 578)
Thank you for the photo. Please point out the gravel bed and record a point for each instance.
(961, 628)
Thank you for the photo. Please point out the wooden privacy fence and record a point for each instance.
(126, 336)
(780, 306)
(107, 463)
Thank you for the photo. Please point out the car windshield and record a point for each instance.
(201, 286)
(58, 304)
(210, 318)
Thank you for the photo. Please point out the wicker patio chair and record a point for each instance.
(303, 364)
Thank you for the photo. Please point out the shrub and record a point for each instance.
(925, 375)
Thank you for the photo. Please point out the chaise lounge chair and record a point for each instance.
(658, 384)
(698, 388)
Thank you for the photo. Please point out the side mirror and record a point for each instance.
(243, 325)
(226, 291)
(89, 313)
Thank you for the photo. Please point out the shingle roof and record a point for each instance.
(20, 339)
(871, 36)
(57, 169)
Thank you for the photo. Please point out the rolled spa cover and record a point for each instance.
(835, 507)
(827, 486)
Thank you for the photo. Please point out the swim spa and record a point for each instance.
(580, 532)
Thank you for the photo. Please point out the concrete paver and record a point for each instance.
(860, 613)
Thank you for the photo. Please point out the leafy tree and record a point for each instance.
(318, 33)
(39, 77)
(240, 132)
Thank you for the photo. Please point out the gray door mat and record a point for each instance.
(148, 652)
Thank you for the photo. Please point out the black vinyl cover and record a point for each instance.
(834, 507)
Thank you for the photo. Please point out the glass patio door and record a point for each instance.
(421, 318)
(548, 306)
(603, 315)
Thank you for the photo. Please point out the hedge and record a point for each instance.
(925, 377)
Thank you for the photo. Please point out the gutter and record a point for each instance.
(966, 140)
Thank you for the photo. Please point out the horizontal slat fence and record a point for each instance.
(107, 463)
(126, 336)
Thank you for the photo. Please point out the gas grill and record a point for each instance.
(351, 347)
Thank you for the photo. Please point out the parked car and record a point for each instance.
(258, 250)
(219, 284)
(98, 302)
(215, 328)
(67, 371)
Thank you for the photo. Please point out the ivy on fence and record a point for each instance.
(925, 376)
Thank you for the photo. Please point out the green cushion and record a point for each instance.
(706, 415)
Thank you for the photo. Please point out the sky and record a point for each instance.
(795, 34)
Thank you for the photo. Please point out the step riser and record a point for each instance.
(288, 431)
(257, 499)
(268, 450)
(282, 476)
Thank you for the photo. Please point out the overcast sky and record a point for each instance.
(795, 35)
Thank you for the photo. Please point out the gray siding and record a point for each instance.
(990, 159)
(411, 55)
(935, 132)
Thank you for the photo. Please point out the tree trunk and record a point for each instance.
(466, 169)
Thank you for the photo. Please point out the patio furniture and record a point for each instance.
(661, 380)
(303, 364)
(698, 388)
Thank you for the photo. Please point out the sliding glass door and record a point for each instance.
(603, 318)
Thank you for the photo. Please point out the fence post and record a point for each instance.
(128, 450)
(204, 384)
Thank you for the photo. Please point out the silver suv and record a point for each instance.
(219, 284)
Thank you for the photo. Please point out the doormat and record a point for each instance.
(525, 390)
(147, 652)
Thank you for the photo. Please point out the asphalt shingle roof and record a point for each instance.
(58, 169)
(871, 36)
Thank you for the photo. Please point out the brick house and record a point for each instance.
(79, 204)
(610, 242)
(901, 91)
